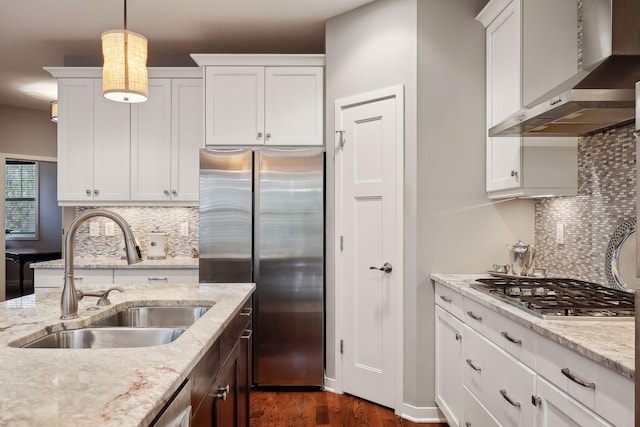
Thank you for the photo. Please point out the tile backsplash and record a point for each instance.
(142, 220)
(606, 197)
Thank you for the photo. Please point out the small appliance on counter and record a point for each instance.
(157, 245)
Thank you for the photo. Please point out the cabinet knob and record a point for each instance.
(174, 192)
(259, 134)
(88, 192)
(268, 135)
(222, 393)
(514, 174)
(166, 193)
(96, 192)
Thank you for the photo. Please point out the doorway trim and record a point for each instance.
(3, 240)
(397, 93)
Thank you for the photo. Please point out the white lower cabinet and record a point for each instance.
(449, 366)
(51, 278)
(475, 415)
(555, 408)
(127, 276)
(493, 371)
(500, 382)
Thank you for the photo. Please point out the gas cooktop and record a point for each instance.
(552, 298)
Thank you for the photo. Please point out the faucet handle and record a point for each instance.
(103, 296)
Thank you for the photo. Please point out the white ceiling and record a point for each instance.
(39, 33)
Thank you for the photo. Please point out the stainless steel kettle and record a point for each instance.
(521, 258)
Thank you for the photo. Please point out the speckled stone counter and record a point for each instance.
(609, 342)
(105, 387)
(182, 262)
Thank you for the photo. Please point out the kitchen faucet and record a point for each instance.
(70, 296)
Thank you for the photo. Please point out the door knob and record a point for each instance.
(387, 268)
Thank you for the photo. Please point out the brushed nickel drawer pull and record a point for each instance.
(467, 424)
(445, 299)
(246, 334)
(158, 279)
(474, 367)
(504, 394)
(246, 311)
(474, 316)
(222, 393)
(576, 379)
(510, 338)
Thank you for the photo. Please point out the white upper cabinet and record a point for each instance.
(93, 144)
(263, 99)
(114, 153)
(151, 144)
(166, 136)
(187, 138)
(526, 166)
(293, 105)
(234, 105)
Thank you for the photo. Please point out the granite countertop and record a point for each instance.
(178, 262)
(106, 387)
(609, 342)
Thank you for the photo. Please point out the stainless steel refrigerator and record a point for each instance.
(262, 221)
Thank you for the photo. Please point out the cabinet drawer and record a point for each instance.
(607, 393)
(154, 276)
(54, 278)
(240, 322)
(476, 315)
(503, 384)
(515, 339)
(557, 409)
(475, 415)
(449, 300)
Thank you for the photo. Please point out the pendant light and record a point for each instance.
(124, 73)
(53, 111)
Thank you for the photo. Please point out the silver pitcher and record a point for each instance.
(521, 258)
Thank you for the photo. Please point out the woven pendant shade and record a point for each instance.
(124, 73)
(53, 111)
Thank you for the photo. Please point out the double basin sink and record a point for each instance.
(130, 327)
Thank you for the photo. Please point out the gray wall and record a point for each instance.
(24, 131)
(437, 50)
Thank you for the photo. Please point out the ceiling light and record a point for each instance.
(53, 111)
(124, 73)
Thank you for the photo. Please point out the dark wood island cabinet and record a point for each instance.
(222, 379)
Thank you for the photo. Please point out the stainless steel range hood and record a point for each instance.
(602, 93)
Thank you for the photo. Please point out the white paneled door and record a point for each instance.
(369, 262)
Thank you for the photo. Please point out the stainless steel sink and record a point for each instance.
(154, 317)
(107, 338)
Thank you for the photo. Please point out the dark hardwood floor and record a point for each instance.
(320, 408)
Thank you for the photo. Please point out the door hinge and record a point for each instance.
(341, 243)
(341, 346)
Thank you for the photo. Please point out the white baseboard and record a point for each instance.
(424, 414)
(330, 384)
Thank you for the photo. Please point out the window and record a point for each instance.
(21, 199)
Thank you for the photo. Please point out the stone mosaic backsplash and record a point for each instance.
(606, 197)
(142, 220)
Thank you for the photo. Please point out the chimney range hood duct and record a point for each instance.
(601, 94)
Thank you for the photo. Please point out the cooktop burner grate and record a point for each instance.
(560, 297)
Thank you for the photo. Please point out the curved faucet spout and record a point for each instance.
(69, 300)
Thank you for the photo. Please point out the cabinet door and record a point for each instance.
(293, 105)
(225, 404)
(234, 105)
(557, 409)
(449, 366)
(75, 140)
(186, 138)
(111, 166)
(503, 96)
(151, 144)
